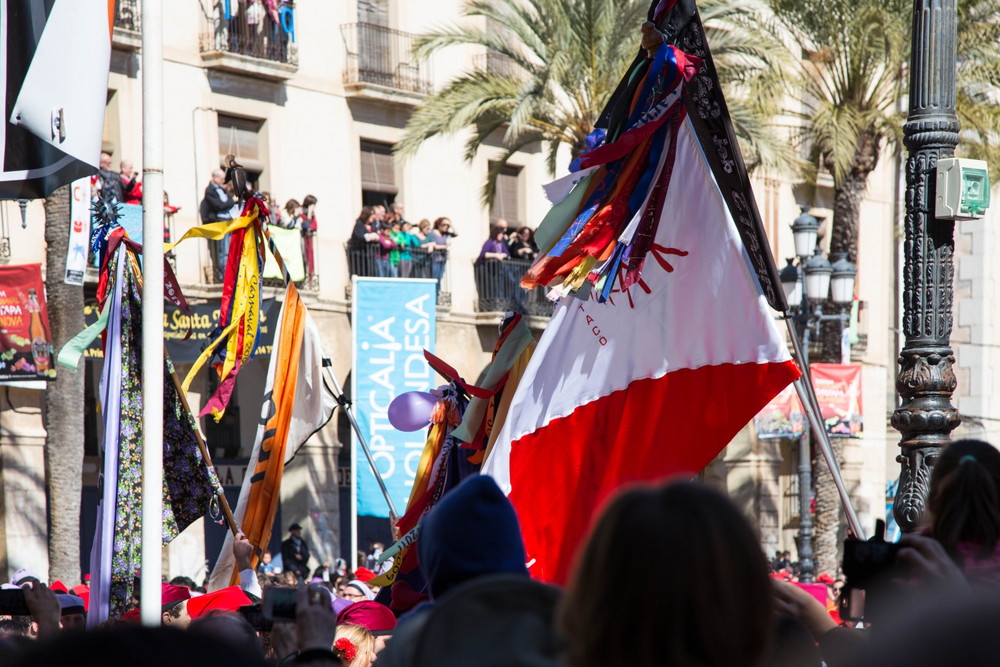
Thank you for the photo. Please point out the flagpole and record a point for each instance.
(807, 395)
(345, 405)
(227, 511)
(152, 312)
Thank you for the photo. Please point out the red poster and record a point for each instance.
(838, 389)
(25, 347)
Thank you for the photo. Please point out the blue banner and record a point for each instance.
(394, 321)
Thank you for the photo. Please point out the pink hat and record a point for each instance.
(370, 615)
(171, 595)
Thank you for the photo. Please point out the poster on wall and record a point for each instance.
(394, 321)
(25, 342)
(838, 389)
(79, 232)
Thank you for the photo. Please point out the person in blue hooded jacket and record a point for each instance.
(485, 610)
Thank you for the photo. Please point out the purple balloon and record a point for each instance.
(411, 411)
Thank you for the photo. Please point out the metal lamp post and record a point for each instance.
(807, 289)
(925, 379)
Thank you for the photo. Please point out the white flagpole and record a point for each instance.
(152, 311)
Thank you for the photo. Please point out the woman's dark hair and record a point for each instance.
(690, 584)
(308, 201)
(964, 500)
(531, 232)
(496, 229)
(291, 205)
(441, 221)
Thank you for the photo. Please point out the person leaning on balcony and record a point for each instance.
(308, 225)
(522, 244)
(383, 254)
(216, 206)
(364, 241)
(440, 238)
(293, 214)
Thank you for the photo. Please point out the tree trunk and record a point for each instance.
(847, 197)
(826, 518)
(64, 400)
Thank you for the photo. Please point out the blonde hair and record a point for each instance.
(364, 645)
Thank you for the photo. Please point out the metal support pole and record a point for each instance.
(152, 312)
(926, 379)
(807, 566)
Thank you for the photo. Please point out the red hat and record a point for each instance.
(370, 615)
(825, 578)
(58, 587)
(224, 600)
(83, 592)
(171, 594)
(364, 574)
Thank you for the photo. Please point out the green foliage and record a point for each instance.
(552, 66)
(978, 81)
(848, 86)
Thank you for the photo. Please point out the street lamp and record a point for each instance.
(808, 285)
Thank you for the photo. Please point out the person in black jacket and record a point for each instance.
(295, 553)
(216, 206)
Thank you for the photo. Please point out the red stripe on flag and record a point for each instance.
(563, 472)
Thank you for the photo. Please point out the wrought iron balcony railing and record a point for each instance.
(498, 283)
(239, 28)
(128, 15)
(382, 56)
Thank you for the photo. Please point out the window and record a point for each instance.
(378, 173)
(242, 137)
(507, 200)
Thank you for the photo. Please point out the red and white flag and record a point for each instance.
(654, 382)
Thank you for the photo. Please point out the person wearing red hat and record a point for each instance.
(222, 601)
(174, 602)
(374, 617)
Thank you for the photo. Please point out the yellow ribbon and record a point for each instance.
(246, 298)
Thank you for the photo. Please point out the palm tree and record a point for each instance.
(845, 93)
(563, 59)
(64, 400)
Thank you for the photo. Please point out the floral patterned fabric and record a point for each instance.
(189, 484)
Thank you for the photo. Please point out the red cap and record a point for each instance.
(824, 578)
(223, 600)
(370, 615)
(83, 592)
(171, 594)
(364, 574)
(58, 587)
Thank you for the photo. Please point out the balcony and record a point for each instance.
(364, 260)
(127, 32)
(498, 283)
(251, 41)
(380, 65)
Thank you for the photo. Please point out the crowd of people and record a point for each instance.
(385, 244)
(705, 594)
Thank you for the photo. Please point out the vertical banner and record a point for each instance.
(79, 232)
(394, 321)
(25, 347)
(838, 389)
